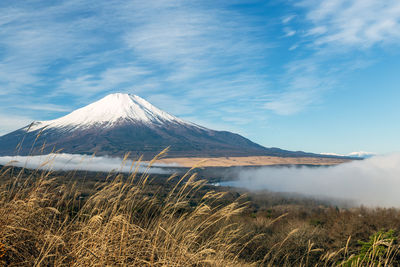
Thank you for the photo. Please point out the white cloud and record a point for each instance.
(288, 19)
(302, 85)
(32, 40)
(331, 28)
(113, 78)
(291, 102)
(373, 181)
(42, 107)
(317, 30)
(177, 105)
(358, 23)
(206, 52)
(68, 162)
(289, 32)
(10, 123)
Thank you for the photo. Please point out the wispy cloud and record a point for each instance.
(203, 51)
(43, 107)
(110, 79)
(228, 60)
(35, 39)
(14, 122)
(174, 104)
(288, 19)
(289, 32)
(359, 23)
(331, 31)
(302, 85)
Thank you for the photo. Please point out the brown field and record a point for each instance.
(138, 219)
(250, 161)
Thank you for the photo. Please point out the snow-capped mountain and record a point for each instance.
(359, 154)
(109, 111)
(120, 123)
(362, 154)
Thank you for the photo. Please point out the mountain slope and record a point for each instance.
(119, 123)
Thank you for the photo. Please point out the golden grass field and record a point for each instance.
(250, 161)
(50, 219)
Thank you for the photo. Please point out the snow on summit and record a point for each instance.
(108, 111)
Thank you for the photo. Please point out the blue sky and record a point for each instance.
(320, 76)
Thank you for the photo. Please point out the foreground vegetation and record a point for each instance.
(48, 219)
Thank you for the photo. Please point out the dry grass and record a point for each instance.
(43, 223)
(251, 161)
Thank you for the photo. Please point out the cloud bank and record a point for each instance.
(68, 162)
(372, 182)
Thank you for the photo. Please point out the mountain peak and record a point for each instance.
(121, 97)
(110, 110)
(118, 123)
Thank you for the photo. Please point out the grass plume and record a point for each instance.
(127, 220)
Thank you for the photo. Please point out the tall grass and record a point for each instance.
(46, 224)
(128, 222)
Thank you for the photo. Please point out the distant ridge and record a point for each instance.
(120, 123)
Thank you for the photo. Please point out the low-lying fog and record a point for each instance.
(67, 162)
(373, 182)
